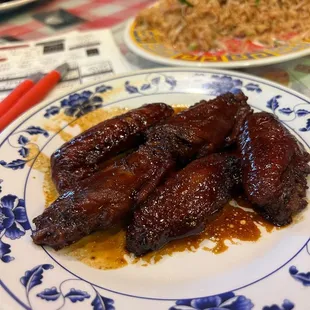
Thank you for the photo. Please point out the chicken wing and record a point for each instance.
(274, 168)
(106, 198)
(103, 200)
(81, 157)
(204, 128)
(184, 204)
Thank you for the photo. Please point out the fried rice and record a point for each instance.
(203, 24)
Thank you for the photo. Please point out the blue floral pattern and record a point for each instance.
(287, 305)
(253, 87)
(307, 127)
(226, 301)
(302, 277)
(151, 84)
(76, 105)
(274, 104)
(76, 295)
(13, 223)
(222, 84)
(49, 294)
(23, 150)
(79, 104)
(35, 276)
(102, 303)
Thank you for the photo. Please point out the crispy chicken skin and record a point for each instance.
(274, 168)
(184, 204)
(107, 197)
(204, 128)
(103, 200)
(81, 157)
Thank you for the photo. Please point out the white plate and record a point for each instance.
(11, 5)
(156, 50)
(271, 271)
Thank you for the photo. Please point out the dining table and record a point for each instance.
(44, 18)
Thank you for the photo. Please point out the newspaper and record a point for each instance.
(92, 56)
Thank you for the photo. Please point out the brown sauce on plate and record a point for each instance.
(106, 250)
(233, 223)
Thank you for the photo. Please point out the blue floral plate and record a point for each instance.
(271, 274)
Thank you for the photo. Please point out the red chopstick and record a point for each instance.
(34, 95)
(7, 103)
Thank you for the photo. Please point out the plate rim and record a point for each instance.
(216, 65)
(252, 77)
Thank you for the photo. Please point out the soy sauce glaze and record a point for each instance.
(106, 250)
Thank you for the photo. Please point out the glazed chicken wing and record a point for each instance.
(204, 128)
(81, 157)
(274, 168)
(103, 200)
(184, 204)
(106, 198)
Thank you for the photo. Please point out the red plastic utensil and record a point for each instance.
(7, 103)
(34, 95)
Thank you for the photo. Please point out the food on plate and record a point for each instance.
(81, 157)
(186, 168)
(202, 129)
(184, 204)
(274, 168)
(205, 24)
(103, 200)
(106, 198)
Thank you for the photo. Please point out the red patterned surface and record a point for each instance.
(21, 25)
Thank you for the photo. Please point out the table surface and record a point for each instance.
(49, 17)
